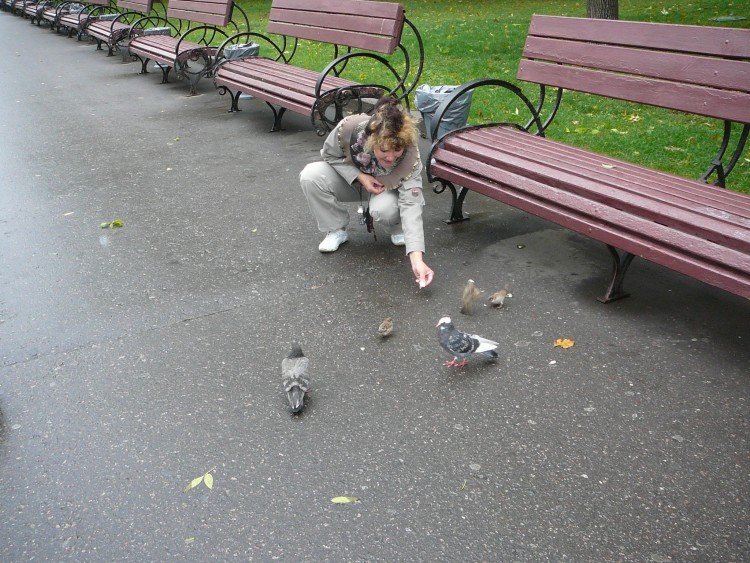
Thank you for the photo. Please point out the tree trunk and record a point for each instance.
(602, 9)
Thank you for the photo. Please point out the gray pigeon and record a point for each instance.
(295, 378)
(462, 345)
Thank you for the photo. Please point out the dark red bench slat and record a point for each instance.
(609, 191)
(106, 29)
(277, 83)
(374, 26)
(677, 67)
(724, 42)
(699, 100)
(161, 48)
(140, 6)
(662, 186)
(365, 8)
(210, 12)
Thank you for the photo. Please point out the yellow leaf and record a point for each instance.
(208, 479)
(608, 166)
(194, 483)
(189, 540)
(344, 500)
(564, 342)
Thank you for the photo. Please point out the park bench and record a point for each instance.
(193, 28)
(71, 15)
(695, 227)
(111, 29)
(357, 31)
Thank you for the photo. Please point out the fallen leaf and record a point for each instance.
(116, 224)
(208, 479)
(344, 500)
(189, 540)
(608, 166)
(564, 342)
(194, 483)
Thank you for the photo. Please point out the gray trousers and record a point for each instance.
(325, 190)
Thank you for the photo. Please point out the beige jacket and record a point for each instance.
(405, 176)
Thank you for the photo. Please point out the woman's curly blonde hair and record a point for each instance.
(391, 127)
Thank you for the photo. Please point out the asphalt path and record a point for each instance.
(134, 360)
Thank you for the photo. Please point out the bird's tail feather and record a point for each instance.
(490, 354)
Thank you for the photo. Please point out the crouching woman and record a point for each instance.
(373, 160)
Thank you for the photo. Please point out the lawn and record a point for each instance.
(468, 39)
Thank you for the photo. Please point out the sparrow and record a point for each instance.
(386, 327)
(497, 299)
(470, 296)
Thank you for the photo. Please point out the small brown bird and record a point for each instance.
(386, 327)
(470, 296)
(498, 298)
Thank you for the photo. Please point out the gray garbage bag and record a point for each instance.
(241, 51)
(158, 31)
(427, 99)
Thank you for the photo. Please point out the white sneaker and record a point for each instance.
(398, 240)
(333, 240)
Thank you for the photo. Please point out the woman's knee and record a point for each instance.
(313, 174)
(384, 208)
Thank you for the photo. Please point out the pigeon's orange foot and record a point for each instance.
(450, 363)
(461, 364)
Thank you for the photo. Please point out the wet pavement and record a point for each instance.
(134, 360)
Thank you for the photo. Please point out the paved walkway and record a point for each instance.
(134, 360)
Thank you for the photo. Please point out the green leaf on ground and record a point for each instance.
(344, 500)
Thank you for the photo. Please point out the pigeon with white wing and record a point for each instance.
(295, 378)
(462, 345)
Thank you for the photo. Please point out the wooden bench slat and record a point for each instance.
(141, 6)
(361, 41)
(482, 161)
(338, 21)
(272, 78)
(678, 67)
(365, 8)
(663, 186)
(695, 99)
(706, 40)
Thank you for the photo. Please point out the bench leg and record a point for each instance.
(457, 201)
(165, 73)
(277, 115)
(620, 263)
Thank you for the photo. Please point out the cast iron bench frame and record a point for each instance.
(691, 226)
(187, 42)
(356, 29)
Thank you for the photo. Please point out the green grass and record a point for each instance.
(468, 39)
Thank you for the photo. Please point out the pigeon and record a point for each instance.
(386, 327)
(470, 296)
(498, 298)
(462, 345)
(295, 379)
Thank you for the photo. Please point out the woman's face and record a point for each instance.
(387, 157)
